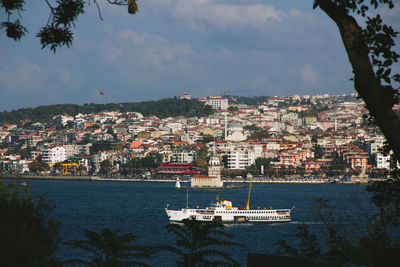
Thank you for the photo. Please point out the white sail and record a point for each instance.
(177, 183)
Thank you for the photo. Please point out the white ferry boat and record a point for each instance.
(222, 211)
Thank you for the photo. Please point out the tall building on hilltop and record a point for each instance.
(218, 102)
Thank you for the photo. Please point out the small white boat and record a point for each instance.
(224, 212)
(178, 183)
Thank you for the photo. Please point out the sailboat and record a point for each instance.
(178, 183)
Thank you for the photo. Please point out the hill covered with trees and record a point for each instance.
(168, 107)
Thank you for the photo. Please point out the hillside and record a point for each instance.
(248, 100)
(168, 107)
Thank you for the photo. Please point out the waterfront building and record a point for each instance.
(213, 179)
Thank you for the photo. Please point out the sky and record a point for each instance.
(170, 47)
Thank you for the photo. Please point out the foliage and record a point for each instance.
(163, 108)
(371, 55)
(233, 108)
(266, 162)
(308, 244)
(318, 152)
(337, 163)
(202, 157)
(370, 45)
(28, 235)
(38, 165)
(201, 163)
(148, 162)
(256, 133)
(364, 241)
(63, 14)
(197, 242)
(386, 223)
(105, 166)
(109, 248)
(207, 138)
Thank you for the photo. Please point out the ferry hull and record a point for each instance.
(252, 216)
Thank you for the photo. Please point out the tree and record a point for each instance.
(370, 52)
(318, 152)
(207, 138)
(197, 243)
(256, 133)
(370, 241)
(28, 235)
(105, 166)
(63, 14)
(38, 165)
(233, 108)
(109, 248)
(266, 162)
(202, 157)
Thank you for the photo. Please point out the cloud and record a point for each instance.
(200, 14)
(21, 75)
(203, 15)
(309, 75)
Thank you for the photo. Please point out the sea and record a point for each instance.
(139, 208)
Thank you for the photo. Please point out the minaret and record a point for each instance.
(226, 125)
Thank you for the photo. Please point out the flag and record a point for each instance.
(294, 207)
(101, 93)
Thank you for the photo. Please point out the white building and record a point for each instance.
(382, 162)
(240, 158)
(375, 145)
(54, 154)
(185, 96)
(218, 102)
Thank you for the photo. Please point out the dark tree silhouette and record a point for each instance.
(109, 248)
(197, 243)
(28, 235)
(63, 15)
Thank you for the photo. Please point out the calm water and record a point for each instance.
(139, 208)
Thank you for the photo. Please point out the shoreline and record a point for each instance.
(97, 178)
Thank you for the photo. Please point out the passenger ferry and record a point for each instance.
(222, 211)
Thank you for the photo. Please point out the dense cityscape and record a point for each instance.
(310, 136)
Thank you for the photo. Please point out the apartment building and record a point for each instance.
(240, 158)
(218, 102)
(54, 154)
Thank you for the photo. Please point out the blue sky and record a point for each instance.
(200, 47)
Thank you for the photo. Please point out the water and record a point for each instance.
(139, 208)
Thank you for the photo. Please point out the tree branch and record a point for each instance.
(377, 101)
